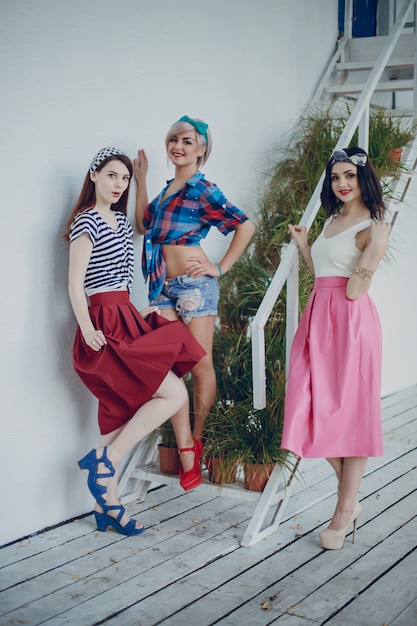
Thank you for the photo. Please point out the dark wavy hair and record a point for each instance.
(87, 197)
(369, 184)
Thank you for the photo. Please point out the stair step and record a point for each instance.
(387, 86)
(152, 473)
(403, 63)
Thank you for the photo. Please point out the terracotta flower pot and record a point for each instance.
(169, 460)
(256, 475)
(221, 472)
(396, 154)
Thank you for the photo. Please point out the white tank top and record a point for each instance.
(337, 255)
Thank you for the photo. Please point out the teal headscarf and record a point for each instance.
(201, 127)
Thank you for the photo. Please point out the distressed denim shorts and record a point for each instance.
(190, 297)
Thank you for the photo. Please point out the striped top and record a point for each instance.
(112, 259)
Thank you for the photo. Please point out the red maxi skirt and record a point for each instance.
(139, 353)
(333, 398)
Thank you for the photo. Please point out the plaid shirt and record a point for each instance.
(183, 219)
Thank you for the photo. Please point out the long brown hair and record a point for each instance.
(87, 197)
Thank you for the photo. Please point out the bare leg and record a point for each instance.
(353, 469)
(204, 377)
(170, 396)
(183, 435)
(337, 465)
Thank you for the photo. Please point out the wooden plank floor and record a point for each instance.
(188, 568)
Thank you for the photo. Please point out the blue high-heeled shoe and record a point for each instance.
(103, 521)
(91, 462)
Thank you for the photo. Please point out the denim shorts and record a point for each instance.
(190, 297)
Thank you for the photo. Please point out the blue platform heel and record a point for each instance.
(103, 521)
(91, 462)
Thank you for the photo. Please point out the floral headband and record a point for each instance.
(101, 156)
(201, 127)
(340, 155)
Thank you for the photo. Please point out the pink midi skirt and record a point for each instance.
(139, 353)
(333, 398)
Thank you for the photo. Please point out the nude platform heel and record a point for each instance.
(334, 539)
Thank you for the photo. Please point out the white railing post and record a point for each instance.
(391, 16)
(341, 46)
(363, 135)
(259, 321)
(258, 367)
(348, 19)
(291, 310)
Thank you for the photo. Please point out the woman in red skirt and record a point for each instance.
(131, 364)
(332, 407)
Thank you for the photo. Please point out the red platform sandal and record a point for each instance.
(192, 478)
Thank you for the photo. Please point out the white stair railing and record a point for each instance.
(287, 272)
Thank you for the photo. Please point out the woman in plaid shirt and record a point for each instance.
(182, 278)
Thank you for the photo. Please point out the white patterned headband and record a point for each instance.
(340, 156)
(101, 156)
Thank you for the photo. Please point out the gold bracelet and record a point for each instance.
(363, 273)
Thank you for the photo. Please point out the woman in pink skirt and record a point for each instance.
(124, 359)
(332, 407)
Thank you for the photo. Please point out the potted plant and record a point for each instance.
(221, 449)
(235, 430)
(169, 459)
(220, 455)
(389, 134)
(253, 438)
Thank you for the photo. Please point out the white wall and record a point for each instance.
(394, 287)
(82, 74)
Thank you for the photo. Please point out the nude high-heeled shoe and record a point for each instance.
(334, 539)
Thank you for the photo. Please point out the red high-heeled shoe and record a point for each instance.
(192, 478)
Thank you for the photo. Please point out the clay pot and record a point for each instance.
(169, 460)
(221, 472)
(396, 154)
(256, 475)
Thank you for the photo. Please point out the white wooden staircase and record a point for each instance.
(355, 58)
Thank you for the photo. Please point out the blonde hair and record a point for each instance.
(181, 127)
